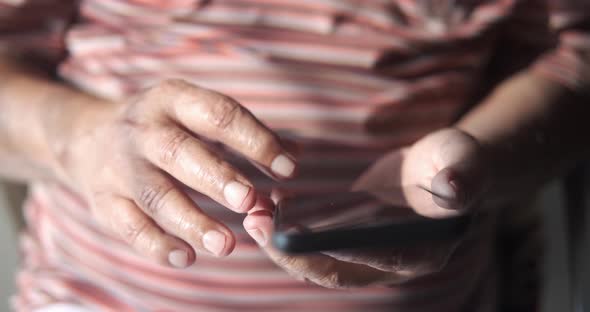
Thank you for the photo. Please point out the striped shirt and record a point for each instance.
(346, 79)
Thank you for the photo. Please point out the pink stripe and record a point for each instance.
(323, 72)
(173, 301)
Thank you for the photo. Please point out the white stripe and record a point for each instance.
(311, 53)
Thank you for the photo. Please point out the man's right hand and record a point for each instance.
(130, 166)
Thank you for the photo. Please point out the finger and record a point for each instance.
(221, 118)
(258, 223)
(161, 199)
(425, 202)
(192, 163)
(462, 176)
(331, 273)
(317, 268)
(445, 190)
(126, 220)
(278, 194)
(410, 262)
(384, 174)
(263, 203)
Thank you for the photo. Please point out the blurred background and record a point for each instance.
(10, 196)
(559, 275)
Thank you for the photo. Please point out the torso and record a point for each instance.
(346, 80)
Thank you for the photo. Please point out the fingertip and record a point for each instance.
(171, 251)
(230, 245)
(263, 203)
(258, 219)
(215, 242)
(240, 196)
(230, 242)
(249, 201)
(176, 253)
(259, 225)
(179, 258)
(276, 195)
(268, 171)
(258, 236)
(218, 243)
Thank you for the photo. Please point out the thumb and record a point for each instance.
(463, 177)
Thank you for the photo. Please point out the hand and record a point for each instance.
(448, 162)
(130, 166)
(448, 166)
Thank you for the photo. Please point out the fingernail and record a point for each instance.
(447, 191)
(447, 195)
(178, 258)
(460, 195)
(214, 241)
(283, 166)
(455, 185)
(258, 236)
(457, 191)
(235, 193)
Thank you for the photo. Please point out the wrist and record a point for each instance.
(77, 118)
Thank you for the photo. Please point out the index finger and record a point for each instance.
(221, 118)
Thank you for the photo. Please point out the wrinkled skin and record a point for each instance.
(129, 163)
(448, 162)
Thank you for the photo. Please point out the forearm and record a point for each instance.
(532, 129)
(37, 115)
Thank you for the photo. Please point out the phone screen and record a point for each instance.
(339, 210)
(341, 220)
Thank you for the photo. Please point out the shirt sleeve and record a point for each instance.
(568, 62)
(35, 27)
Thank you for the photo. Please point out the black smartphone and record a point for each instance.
(351, 220)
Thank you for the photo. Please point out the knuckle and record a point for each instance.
(157, 247)
(98, 202)
(332, 280)
(159, 100)
(135, 109)
(222, 112)
(171, 146)
(171, 85)
(286, 262)
(155, 95)
(152, 198)
(184, 223)
(134, 229)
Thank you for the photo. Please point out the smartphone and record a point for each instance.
(352, 220)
